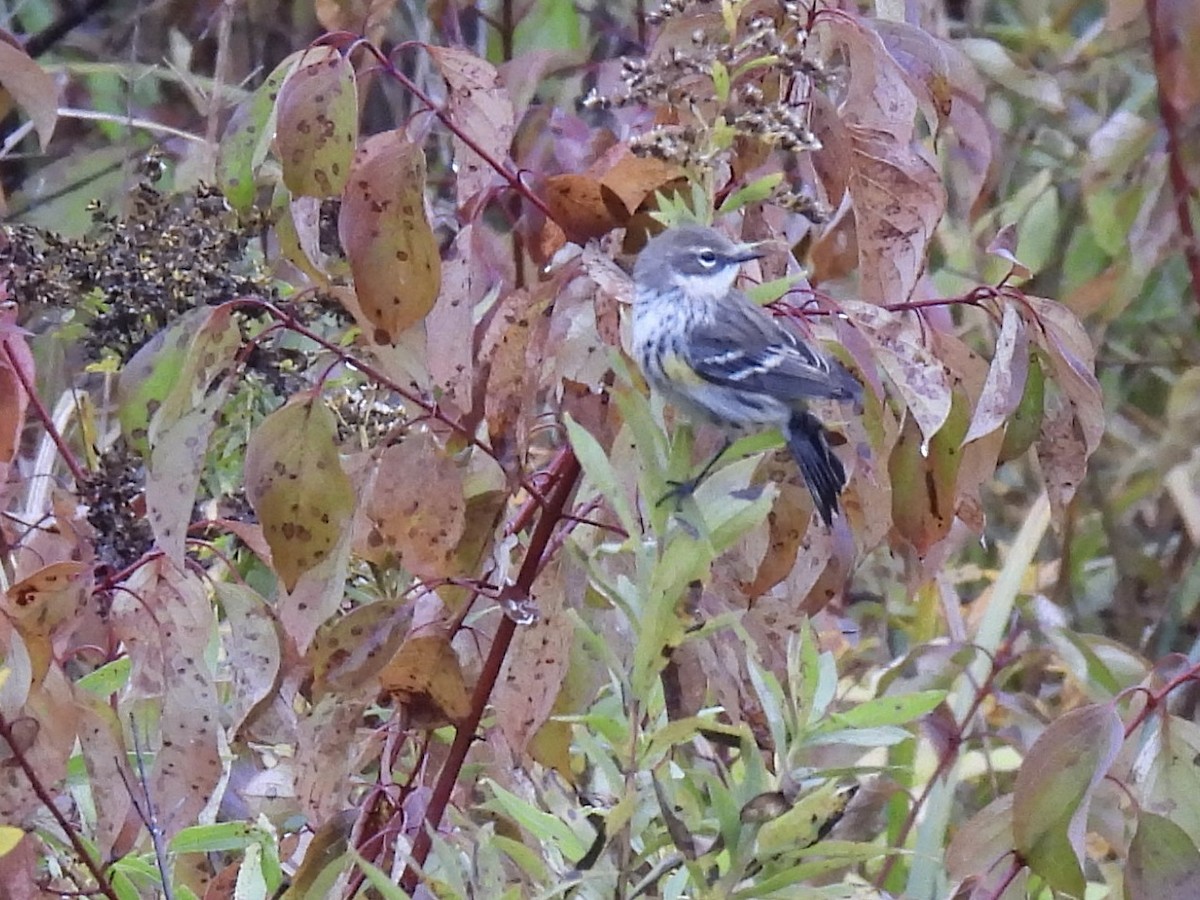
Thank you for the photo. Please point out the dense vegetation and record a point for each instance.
(331, 556)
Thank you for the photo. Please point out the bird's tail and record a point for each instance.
(823, 472)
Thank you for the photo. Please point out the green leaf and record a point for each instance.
(108, 679)
(754, 192)
(1163, 862)
(887, 711)
(1054, 789)
(217, 838)
(541, 825)
(379, 879)
(598, 469)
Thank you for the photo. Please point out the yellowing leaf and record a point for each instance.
(425, 675)
(317, 127)
(296, 484)
(9, 838)
(391, 247)
(248, 135)
(42, 603)
(416, 506)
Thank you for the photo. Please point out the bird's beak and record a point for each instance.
(747, 252)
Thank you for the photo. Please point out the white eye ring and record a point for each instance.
(707, 258)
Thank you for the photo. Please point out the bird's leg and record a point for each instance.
(680, 489)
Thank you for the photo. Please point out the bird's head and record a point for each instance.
(697, 260)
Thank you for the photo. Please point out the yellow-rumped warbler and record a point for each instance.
(717, 357)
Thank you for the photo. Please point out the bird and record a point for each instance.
(719, 358)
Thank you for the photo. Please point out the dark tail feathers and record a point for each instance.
(823, 472)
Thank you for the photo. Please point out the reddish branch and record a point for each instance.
(103, 885)
(501, 168)
(44, 414)
(564, 470)
(1172, 123)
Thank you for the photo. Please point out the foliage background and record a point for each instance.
(328, 557)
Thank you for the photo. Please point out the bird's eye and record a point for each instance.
(708, 258)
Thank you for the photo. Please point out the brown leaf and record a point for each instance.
(392, 250)
(252, 649)
(295, 482)
(13, 399)
(536, 665)
(788, 522)
(366, 17)
(1072, 358)
(582, 208)
(899, 340)
(426, 676)
(481, 108)
(450, 325)
(416, 505)
(1062, 455)
(898, 200)
(1005, 383)
(504, 350)
(317, 126)
(33, 89)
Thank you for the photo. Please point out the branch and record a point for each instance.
(42, 413)
(103, 885)
(565, 470)
(1173, 125)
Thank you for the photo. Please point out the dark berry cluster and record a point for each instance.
(133, 274)
(116, 506)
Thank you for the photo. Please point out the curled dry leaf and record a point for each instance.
(392, 250)
(1062, 454)
(317, 126)
(416, 506)
(296, 484)
(1072, 357)
(1005, 385)
(425, 675)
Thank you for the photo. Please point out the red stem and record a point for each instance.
(35, 401)
(1173, 124)
(500, 167)
(565, 471)
(103, 885)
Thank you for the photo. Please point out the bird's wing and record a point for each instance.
(755, 353)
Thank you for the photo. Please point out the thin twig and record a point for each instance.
(103, 885)
(1173, 124)
(42, 413)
